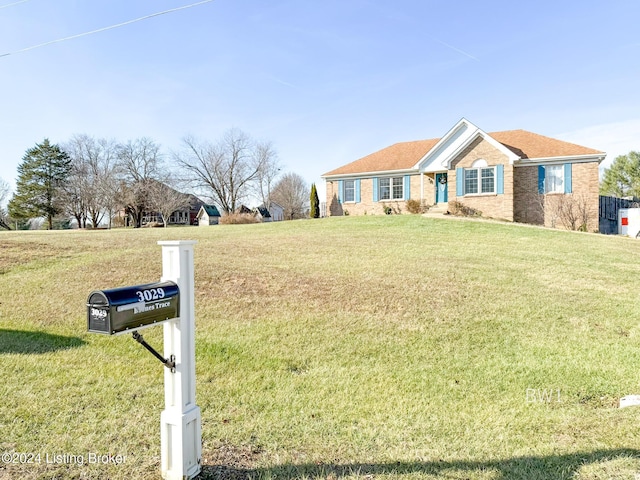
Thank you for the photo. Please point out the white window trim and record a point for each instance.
(479, 180)
(344, 193)
(547, 177)
(390, 199)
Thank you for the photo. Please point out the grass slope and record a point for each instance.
(395, 347)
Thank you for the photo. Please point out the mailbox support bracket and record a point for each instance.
(170, 362)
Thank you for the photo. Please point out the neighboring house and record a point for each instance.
(194, 207)
(208, 215)
(514, 175)
(275, 213)
(244, 210)
(183, 216)
(262, 214)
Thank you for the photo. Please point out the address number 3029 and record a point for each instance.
(151, 294)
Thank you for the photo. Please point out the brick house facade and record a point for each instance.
(514, 175)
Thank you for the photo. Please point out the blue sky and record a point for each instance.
(326, 81)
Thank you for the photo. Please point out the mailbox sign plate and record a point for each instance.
(128, 308)
(98, 319)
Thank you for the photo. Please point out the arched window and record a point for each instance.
(479, 178)
(481, 162)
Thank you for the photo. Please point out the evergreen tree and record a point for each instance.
(40, 184)
(315, 202)
(622, 179)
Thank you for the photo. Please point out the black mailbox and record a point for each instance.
(126, 309)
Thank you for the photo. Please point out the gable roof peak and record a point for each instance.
(454, 142)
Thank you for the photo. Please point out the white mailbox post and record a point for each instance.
(180, 435)
(169, 302)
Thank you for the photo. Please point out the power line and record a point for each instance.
(12, 4)
(128, 22)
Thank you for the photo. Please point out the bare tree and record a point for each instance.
(92, 177)
(574, 212)
(74, 199)
(78, 186)
(292, 193)
(585, 211)
(112, 194)
(268, 172)
(545, 209)
(225, 169)
(139, 164)
(166, 200)
(5, 189)
(102, 166)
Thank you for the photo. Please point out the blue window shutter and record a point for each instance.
(357, 182)
(568, 187)
(375, 189)
(407, 187)
(500, 179)
(541, 174)
(340, 190)
(459, 182)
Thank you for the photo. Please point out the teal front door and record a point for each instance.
(441, 188)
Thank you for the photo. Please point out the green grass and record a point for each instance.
(356, 347)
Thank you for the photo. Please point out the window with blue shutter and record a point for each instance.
(459, 182)
(500, 179)
(340, 190)
(480, 180)
(358, 191)
(541, 174)
(389, 188)
(568, 187)
(375, 189)
(555, 178)
(407, 187)
(349, 192)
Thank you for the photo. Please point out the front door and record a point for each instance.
(441, 188)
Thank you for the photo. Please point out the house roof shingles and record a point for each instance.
(400, 156)
(211, 210)
(405, 155)
(532, 145)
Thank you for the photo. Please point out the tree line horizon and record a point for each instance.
(90, 179)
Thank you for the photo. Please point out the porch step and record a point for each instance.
(439, 209)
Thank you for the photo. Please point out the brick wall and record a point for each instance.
(528, 205)
(367, 206)
(491, 205)
(547, 210)
(586, 189)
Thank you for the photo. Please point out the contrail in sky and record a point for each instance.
(456, 49)
(128, 22)
(11, 4)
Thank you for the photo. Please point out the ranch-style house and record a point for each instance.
(514, 175)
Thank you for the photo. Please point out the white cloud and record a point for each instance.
(616, 138)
